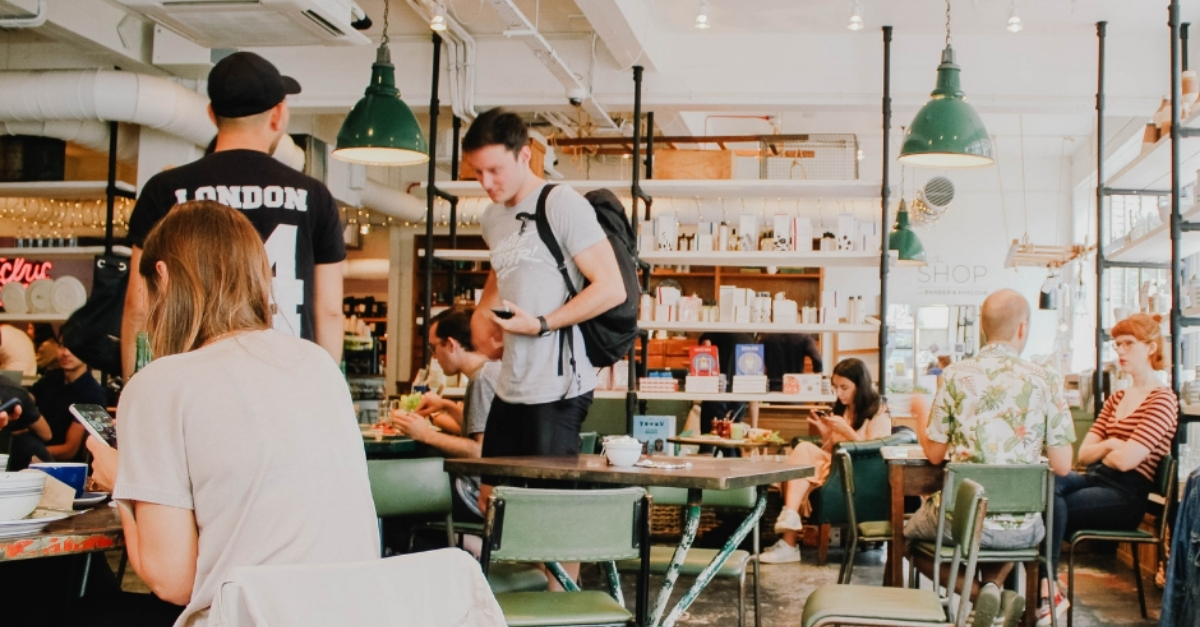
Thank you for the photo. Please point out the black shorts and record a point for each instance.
(543, 429)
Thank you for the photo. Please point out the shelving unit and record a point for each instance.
(730, 188)
(63, 252)
(831, 259)
(755, 327)
(63, 190)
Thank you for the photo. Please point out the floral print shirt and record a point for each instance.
(1000, 409)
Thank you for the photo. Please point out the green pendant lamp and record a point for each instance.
(381, 129)
(904, 240)
(947, 132)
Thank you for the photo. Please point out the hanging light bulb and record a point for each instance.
(702, 15)
(1014, 19)
(856, 16)
(438, 21)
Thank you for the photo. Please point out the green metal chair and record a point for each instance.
(735, 565)
(1011, 489)
(905, 607)
(552, 526)
(421, 488)
(872, 494)
(1163, 495)
(867, 531)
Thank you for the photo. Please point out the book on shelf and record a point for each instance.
(750, 384)
(711, 384)
(750, 360)
(703, 361)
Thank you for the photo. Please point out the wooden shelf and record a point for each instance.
(747, 327)
(673, 275)
(66, 190)
(731, 188)
(728, 278)
(63, 252)
(450, 254)
(1155, 245)
(1152, 168)
(34, 317)
(768, 397)
(764, 259)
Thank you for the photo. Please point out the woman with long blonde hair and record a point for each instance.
(238, 444)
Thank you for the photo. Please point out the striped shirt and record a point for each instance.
(1152, 425)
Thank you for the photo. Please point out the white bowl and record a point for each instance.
(15, 507)
(13, 480)
(623, 455)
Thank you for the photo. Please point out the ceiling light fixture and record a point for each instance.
(1014, 19)
(856, 16)
(702, 15)
(381, 129)
(947, 132)
(903, 240)
(438, 21)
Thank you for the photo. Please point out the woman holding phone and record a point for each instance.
(238, 444)
(858, 414)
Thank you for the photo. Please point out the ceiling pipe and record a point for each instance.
(460, 48)
(516, 20)
(33, 21)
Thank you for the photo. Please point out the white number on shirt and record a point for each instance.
(289, 290)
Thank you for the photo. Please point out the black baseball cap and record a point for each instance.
(244, 83)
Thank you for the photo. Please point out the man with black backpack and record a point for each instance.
(546, 380)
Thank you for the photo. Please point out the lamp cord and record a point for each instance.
(383, 41)
(947, 23)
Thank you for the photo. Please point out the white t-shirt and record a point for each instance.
(256, 435)
(528, 276)
(17, 351)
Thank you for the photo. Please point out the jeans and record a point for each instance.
(1181, 596)
(1102, 499)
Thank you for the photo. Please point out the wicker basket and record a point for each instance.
(666, 521)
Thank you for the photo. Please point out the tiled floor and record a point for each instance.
(1105, 591)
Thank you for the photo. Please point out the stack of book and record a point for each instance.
(749, 384)
(658, 384)
(704, 385)
(751, 377)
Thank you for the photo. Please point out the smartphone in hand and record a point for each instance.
(10, 404)
(503, 314)
(97, 421)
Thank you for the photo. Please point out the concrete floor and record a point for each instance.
(1105, 591)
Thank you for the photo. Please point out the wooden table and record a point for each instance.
(705, 473)
(98, 529)
(907, 476)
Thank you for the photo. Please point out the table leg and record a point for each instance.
(690, 526)
(710, 570)
(893, 574)
(752, 413)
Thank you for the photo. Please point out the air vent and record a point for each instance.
(249, 23)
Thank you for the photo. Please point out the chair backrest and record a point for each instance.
(443, 587)
(535, 525)
(970, 508)
(1165, 483)
(1011, 488)
(872, 498)
(742, 498)
(409, 487)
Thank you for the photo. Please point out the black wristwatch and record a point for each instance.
(545, 330)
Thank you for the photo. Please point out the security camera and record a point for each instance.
(576, 96)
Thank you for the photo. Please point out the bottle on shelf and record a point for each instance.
(144, 355)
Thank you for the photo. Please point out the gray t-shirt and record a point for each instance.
(528, 276)
(477, 402)
(256, 435)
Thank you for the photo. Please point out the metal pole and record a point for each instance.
(453, 273)
(457, 127)
(636, 191)
(111, 192)
(1176, 218)
(1097, 376)
(430, 197)
(1183, 43)
(649, 145)
(884, 193)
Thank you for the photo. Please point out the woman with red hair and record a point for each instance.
(1123, 448)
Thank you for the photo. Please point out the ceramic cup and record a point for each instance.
(70, 473)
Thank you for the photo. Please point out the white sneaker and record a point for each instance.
(788, 520)
(780, 553)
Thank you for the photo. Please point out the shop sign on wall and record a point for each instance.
(949, 281)
(23, 271)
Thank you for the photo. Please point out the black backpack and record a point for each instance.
(93, 332)
(609, 336)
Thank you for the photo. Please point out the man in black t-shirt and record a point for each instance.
(295, 214)
(70, 384)
(29, 430)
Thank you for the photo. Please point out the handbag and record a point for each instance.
(93, 332)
